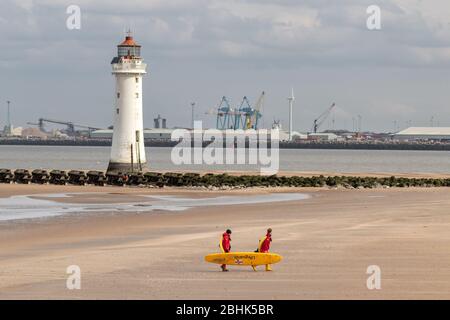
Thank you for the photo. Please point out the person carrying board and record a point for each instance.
(225, 246)
(264, 246)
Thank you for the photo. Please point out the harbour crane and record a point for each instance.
(248, 117)
(321, 119)
(244, 117)
(225, 115)
(257, 113)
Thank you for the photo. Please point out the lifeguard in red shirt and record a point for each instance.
(264, 245)
(225, 246)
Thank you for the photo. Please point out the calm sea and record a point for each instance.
(344, 161)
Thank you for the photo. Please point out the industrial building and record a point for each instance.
(160, 133)
(165, 134)
(292, 135)
(325, 136)
(424, 133)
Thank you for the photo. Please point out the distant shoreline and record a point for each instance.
(411, 146)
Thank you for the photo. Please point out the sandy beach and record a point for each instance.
(327, 242)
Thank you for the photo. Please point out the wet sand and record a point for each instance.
(327, 242)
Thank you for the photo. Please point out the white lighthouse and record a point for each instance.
(127, 152)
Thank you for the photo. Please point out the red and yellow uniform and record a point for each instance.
(225, 246)
(264, 246)
(264, 243)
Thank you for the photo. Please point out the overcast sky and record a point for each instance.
(200, 50)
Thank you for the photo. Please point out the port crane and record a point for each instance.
(225, 115)
(251, 115)
(243, 117)
(70, 125)
(321, 119)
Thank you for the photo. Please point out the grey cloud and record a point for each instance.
(203, 49)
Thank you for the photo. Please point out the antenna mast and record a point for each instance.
(8, 115)
(291, 103)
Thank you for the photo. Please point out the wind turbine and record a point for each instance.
(291, 100)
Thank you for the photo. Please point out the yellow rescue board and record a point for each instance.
(243, 258)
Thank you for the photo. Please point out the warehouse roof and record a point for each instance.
(151, 130)
(425, 131)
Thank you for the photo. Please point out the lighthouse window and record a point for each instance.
(137, 94)
(118, 95)
(117, 110)
(137, 80)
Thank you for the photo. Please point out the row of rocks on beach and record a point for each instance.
(209, 180)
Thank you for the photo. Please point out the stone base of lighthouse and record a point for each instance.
(116, 167)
